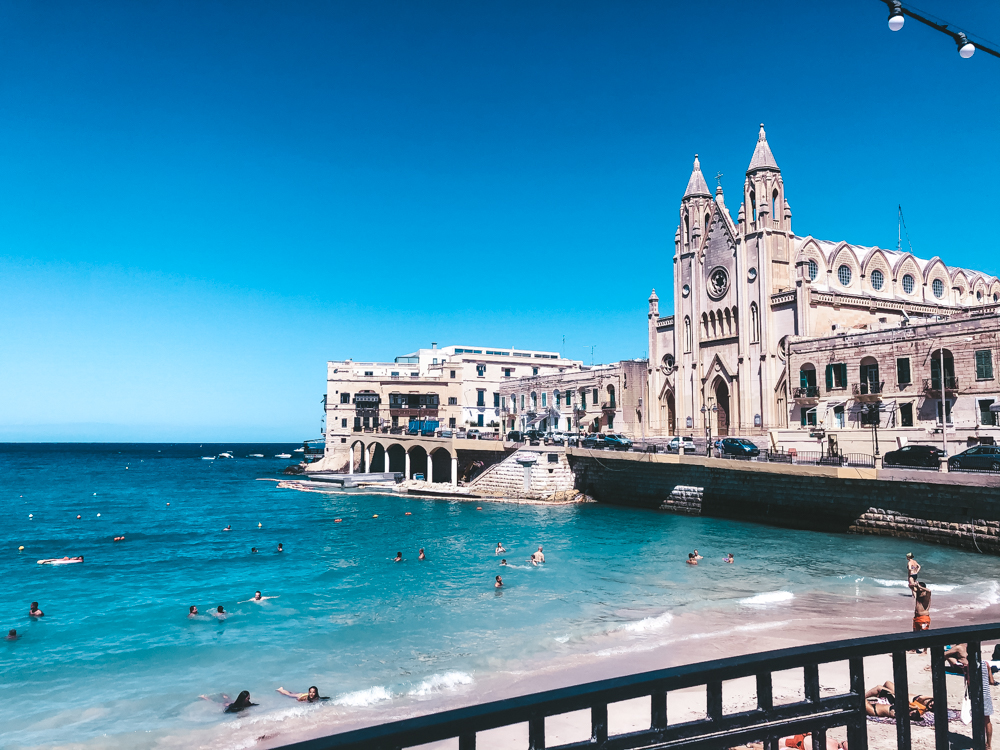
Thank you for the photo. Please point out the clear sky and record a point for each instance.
(203, 202)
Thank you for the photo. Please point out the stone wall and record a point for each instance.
(925, 505)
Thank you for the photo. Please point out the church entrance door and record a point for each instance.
(722, 401)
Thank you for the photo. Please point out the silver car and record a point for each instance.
(675, 445)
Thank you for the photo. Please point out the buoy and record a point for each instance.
(95, 494)
(21, 548)
(408, 513)
(260, 525)
(98, 515)
(375, 516)
(168, 505)
(77, 515)
(31, 515)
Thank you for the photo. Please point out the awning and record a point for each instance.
(994, 407)
(537, 419)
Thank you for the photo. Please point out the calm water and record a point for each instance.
(116, 662)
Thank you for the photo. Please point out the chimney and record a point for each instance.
(434, 345)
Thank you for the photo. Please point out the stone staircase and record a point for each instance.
(550, 474)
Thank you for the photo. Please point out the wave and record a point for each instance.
(905, 584)
(368, 697)
(769, 597)
(647, 624)
(437, 683)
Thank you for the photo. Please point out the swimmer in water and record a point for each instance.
(399, 557)
(499, 583)
(421, 556)
(61, 560)
(691, 559)
(12, 635)
(35, 611)
(253, 550)
(228, 528)
(281, 547)
(500, 548)
(192, 612)
(233, 707)
(730, 559)
(503, 561)
(309, 697)
(537, 557)
(220, 613)
(258, 598)
(697, 556)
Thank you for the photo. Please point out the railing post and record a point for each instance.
(902, 701)
(467, 741)
(536, 733)
(857, 730)
(811, 674)
(599, 724)
(765, 703)
(976, 696)
(658, 710)
(940, 691)
(713, 699)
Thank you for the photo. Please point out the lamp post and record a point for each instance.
(966, 49)
(708, 425)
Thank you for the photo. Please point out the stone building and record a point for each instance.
(744, 288)
(910, 380)
(601, 398)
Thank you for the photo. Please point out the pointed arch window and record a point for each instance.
(877, 280)
(754, 323)
(753, 204)
(813, 270)
(704, 324)
(687, 334)
(775, 208)
(908, 284)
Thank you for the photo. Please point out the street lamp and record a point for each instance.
(896, 17)
(966, 49)
(708, 426)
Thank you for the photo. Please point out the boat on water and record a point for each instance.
(284, 455)
(256, 455)
(208, 458)
(300, 450)
(225, 455)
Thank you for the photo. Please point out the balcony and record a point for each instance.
(868, 393)
(806, 395)
(608, 406)
(932, 386)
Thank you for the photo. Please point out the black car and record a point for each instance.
(739, 447)
(515, 437)
(594, 442)
(977, 457)
(913, 455)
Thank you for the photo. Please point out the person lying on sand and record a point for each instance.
(799, 742)
(309, 697)
(881, 701)
(957, 656)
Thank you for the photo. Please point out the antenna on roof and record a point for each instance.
(899, 233)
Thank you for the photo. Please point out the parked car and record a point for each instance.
(472, 434)
(573, 438)
(738, 447)
(977, 457)
(555, 438)
(617, 442)
(593, 442)
(530, 435)
(674, 446)
(515, 437)
(913, 455)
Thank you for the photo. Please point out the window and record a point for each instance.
(507, 371)
(544, 399)
(569, 398)
(479, 421)
(345, 398)
(452, 373)
(611, 421)
(984, 364)
(986, 416)
(938, 287)
(979, 295)
(452, 401)
(595, 397)
(480, 398)
(908, 284)
(343, 423)
(877, 280)
(435, 360)
(809, 417)
(754, 323)
(838, 417)
(369, 373)
(687, 334)
(534, 370)
(813, 270)
(357, 423)
(557, 398)
(836, 376)
(947, 410)
(522, 402)
(569, 423)
(906, 415)
(365, 419)
(496, 400)
(395, 374)
(844, 275)
(451, 421)
(903, 371)
(583, 399)
(481, 371)
(395, 421)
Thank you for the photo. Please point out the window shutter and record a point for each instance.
(803, 380)
(829, 378)
(843, 374)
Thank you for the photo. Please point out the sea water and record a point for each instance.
(117, 662)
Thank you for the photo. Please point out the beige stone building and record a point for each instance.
(743, 289)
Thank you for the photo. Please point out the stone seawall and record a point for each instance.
(961, 510)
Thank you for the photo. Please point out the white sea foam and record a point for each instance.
(988, 598)
(769, 597)
(905, 584)
(438, 683)
(647, 624)
(884, 582)
(562, 639)
(368, 697)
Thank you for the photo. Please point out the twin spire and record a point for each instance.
(762, 159)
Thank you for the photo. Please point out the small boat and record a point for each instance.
(225, 455)
(284, 455)
(256, 455)
(208, 458)
(300, 450)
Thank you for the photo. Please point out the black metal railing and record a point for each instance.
(768, 722)
(934, 383)
(868, 389)
(806, 391)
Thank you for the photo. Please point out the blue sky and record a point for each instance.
(201, 203)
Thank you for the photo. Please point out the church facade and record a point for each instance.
(745, 291)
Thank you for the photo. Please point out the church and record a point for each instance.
(745, 291)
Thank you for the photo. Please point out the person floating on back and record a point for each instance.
(308, 697)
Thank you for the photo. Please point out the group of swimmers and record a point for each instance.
(243, 702)
(220, 612)
(35, 612)
(694, 557)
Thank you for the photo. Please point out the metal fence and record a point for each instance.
(767, 723)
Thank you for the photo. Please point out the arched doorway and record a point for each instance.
(441, 461)
(722, 401)
(397, 458)
(378, 458)
(356, 463)
(667, 413)
(418, 461)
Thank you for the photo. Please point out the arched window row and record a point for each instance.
(720, 324)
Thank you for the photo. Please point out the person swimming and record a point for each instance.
(241, 703)
(500, 548)
(421, 556)
(35, 611)
(503, 561)
(728, 558)
(499, 583)
(691, 559)
(399, 557)
(308, 697)
(192, 611)
(253, 550)
(220, 613)
(228, 528)
(697, 556)
(537, 557)
(12, 635)
(61, 560)
(258, 598)
(281, 547)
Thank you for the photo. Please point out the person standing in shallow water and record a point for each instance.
(912, 570)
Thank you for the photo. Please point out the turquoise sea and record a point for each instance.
(116, 662)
